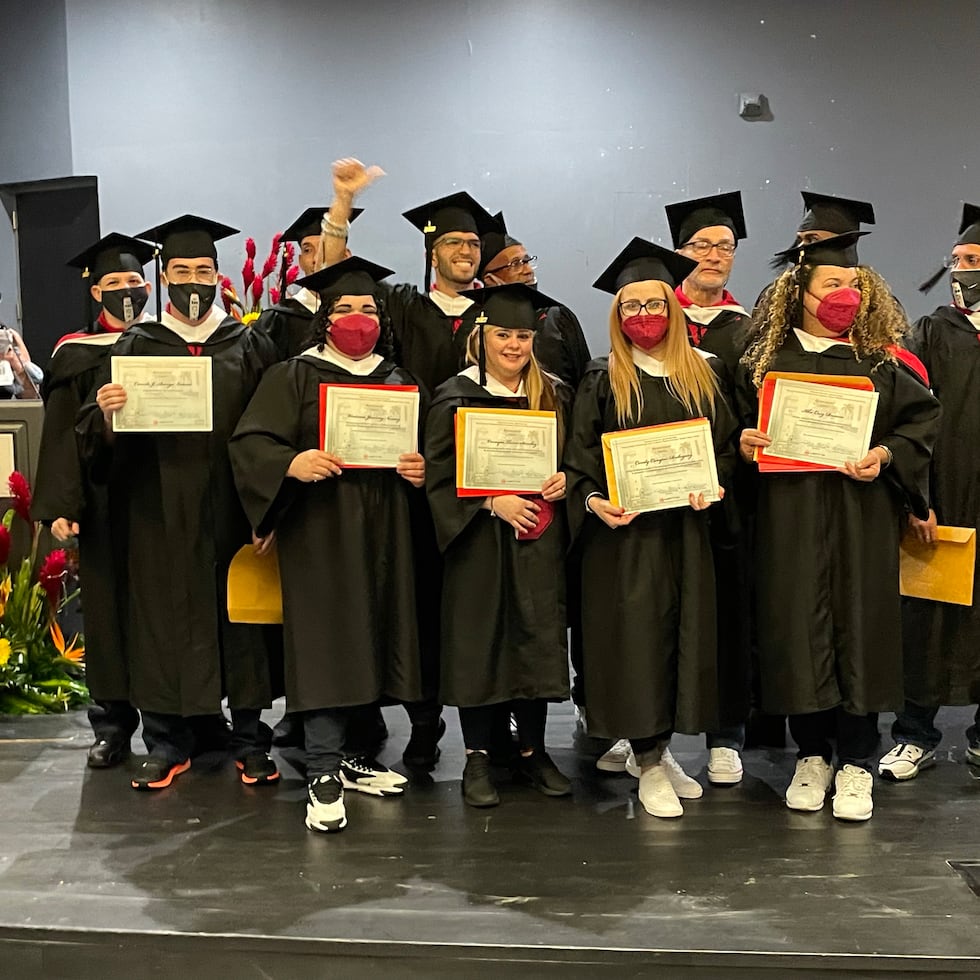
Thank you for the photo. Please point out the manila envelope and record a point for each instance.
(942, 571)
(254, 589)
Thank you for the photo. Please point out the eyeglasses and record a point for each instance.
(652, 306)
(701, 247)
(968, 261)
(529, 260)
(473, 243)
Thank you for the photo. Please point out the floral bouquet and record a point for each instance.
(39, 672)
(256, 284)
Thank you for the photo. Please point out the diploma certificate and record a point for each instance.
(508, 451)
(816, 423)
(163, 394)
(369, 425)
(657, 467)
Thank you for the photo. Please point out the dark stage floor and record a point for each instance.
(210, 878)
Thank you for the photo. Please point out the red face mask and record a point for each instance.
(646, 330)
(354, 334)
(837, 310)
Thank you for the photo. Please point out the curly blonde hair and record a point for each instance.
(879, 325)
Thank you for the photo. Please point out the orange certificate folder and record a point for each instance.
(254, 588)
(776, 464)
(324, 394)
(942, 571)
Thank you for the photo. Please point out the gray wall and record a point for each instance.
(579, 118)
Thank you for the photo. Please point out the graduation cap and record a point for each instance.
(494, 242)
(351, 277)
(308, 223)
(969, 234)
(841, 250)
(188, 237)
(837, 214)
(687, 218)
(113, 253)
(457, 212)
(642, 260)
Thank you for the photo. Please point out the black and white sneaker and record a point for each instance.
(369, 776)
(325, 804)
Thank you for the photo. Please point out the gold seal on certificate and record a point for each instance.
(163, 394)
(818, 423)
(369, 425)
(509, 450)
(659, 466)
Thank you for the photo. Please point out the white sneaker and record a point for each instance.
(724, 767)
(810, 784)
(615, 759)
(325, 805)
(685, 786)
(367, 775)
(852, 794)
(656, 793)
(904, 762)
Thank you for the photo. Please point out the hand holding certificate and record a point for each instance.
(661, 466)
(163, 394)
(369, 425)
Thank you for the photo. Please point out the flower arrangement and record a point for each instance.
(256, 284)
(39, 671)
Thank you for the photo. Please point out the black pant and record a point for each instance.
(650, 749)
(916, 725)
(113, 721)
(531, 715)
(856, 736)
(324, 730)
(171, 737)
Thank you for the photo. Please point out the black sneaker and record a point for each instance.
(325, 810)
(258, 767)
(422, 751)
(157, 773)
(108, 752)
(478, 790)
(539, 771)
(369, 776)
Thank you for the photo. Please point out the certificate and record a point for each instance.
(504, 451)
(816, 423)
(369, 425)
(163, 394)
(657, 467)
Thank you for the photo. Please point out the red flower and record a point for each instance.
(20, 490)
(250, 249)
(290, 253)
(273, 294)
(257, 287)
(276, 242)
(53, 573)
(248, 272)
(226, 282)
(4, 545)
(292, 274)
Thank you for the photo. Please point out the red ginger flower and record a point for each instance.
(248, 273)
(250, 249)
(276, 242)
(20, 490)
(273, 295)
(290, 253)
(52, 574)
(292, 274)
(4, 545)
(257, 286)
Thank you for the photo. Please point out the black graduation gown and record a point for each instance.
(175, 495)
(942, 640)
(826, 551)
(560, 345)
(648, 607)
(289, 325)
(344, 544)
(725, 337)
(62, 489)
(503, 600)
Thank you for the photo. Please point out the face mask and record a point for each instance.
(125, 304)
(192, 299)
(354, 334)
(966, 289)
(837, 310)
(646, 330)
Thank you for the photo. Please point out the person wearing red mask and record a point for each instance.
(344, 538)
(647, 581)
(826, 544)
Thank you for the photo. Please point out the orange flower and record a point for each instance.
(70, 651)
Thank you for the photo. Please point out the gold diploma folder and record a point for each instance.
(254, 589)
(942, 571)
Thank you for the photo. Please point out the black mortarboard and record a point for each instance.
(642, 260)
(351, 277)
(113, 253)
(188, 237)
(687, 218)
(969, 225)
(308, 223)
(841, 250)
(494, 242)
(837, 214)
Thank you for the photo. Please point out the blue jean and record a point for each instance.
(915, 724)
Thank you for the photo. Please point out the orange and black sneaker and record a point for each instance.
(257, 768)
(158, 773)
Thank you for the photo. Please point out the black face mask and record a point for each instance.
(966, 288)
(125, 304)
(192, 299)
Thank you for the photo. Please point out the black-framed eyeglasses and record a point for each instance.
(473, 243)
(701, 247)
(631, 307)
(529, 260)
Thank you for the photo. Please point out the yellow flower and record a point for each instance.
(5, 589)
(250, 318)
(4, 651)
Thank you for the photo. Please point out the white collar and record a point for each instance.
(817, 345)
(306, 297)
(493, 386)
(450, 305)
(361, 368)
(703, 315)
(196, 334)
(654, 367)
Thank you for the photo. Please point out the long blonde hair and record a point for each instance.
(689, 379)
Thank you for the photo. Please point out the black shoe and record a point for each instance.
(289, 733)
(539, 771)
(257, 767)
(108, 752)
(478, 790)
(422, 751)
(158, 773)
